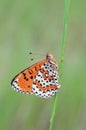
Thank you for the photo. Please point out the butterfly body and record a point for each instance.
(40, 79)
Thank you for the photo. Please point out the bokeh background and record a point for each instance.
(36, 26)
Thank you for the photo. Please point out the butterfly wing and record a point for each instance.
(23, 81)
(45, 83)
(40, 79)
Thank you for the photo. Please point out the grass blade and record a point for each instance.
(64, 36)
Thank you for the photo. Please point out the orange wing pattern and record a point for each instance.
(40, 79)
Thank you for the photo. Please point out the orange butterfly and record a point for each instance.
(40, 79)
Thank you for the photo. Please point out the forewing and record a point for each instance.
(24, 80)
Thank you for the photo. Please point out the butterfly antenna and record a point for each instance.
(37, 53)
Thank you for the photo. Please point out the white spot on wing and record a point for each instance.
(39, 78)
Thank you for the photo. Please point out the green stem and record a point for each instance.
(64, 36)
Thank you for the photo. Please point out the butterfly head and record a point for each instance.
(49, 56)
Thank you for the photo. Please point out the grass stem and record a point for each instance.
(64, 36)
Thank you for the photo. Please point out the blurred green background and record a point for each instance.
(37, 26)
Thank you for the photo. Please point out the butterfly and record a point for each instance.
(40, 79)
